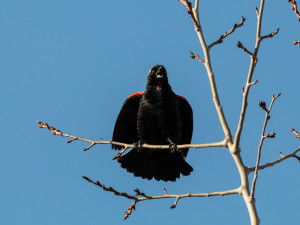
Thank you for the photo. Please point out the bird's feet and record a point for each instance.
(173, 147)
(138, 145)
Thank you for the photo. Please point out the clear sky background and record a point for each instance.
(73, 63)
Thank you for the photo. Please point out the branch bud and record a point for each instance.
(262, 105)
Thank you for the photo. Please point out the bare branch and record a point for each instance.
(295, 132)
(250, 74)
(271, 34)
(293, 154)
(196, 57)
(294, 8)
(125, 145)
(220, 40)
(263, 136)
(145, 197)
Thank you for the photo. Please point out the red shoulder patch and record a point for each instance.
(137, 93)
(178, 96)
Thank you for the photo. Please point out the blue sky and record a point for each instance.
(73, 63)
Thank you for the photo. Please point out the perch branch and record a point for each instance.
(125, 145)
(220, 40)
(263, 137)
(144, 197)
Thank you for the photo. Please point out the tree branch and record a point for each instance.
(263, 137)
(144, 197)
(293, 154)
(220, 40)
(126, 145)
(253, 62)
(207, 63)
(234, 149)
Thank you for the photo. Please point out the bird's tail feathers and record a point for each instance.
(158, 163)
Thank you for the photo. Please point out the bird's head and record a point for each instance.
(157, 76)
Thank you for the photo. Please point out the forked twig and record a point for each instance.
(263, 137)
(144, 197)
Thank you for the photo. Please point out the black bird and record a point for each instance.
(156, 116)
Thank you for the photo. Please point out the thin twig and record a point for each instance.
(295, 132)
(118, 155)
(193, 56)
(241, 46)
(256, 10)
(271, 34)
(252, 169)
(253, 83)
(295, 8)
(220, 40)
(110, 189)
(296, 43)
(263, 136)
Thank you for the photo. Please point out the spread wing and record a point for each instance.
(186, 114)
(126, 125)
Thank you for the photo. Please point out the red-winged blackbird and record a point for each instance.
(159, 117)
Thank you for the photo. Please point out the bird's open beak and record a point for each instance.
(159, 76)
